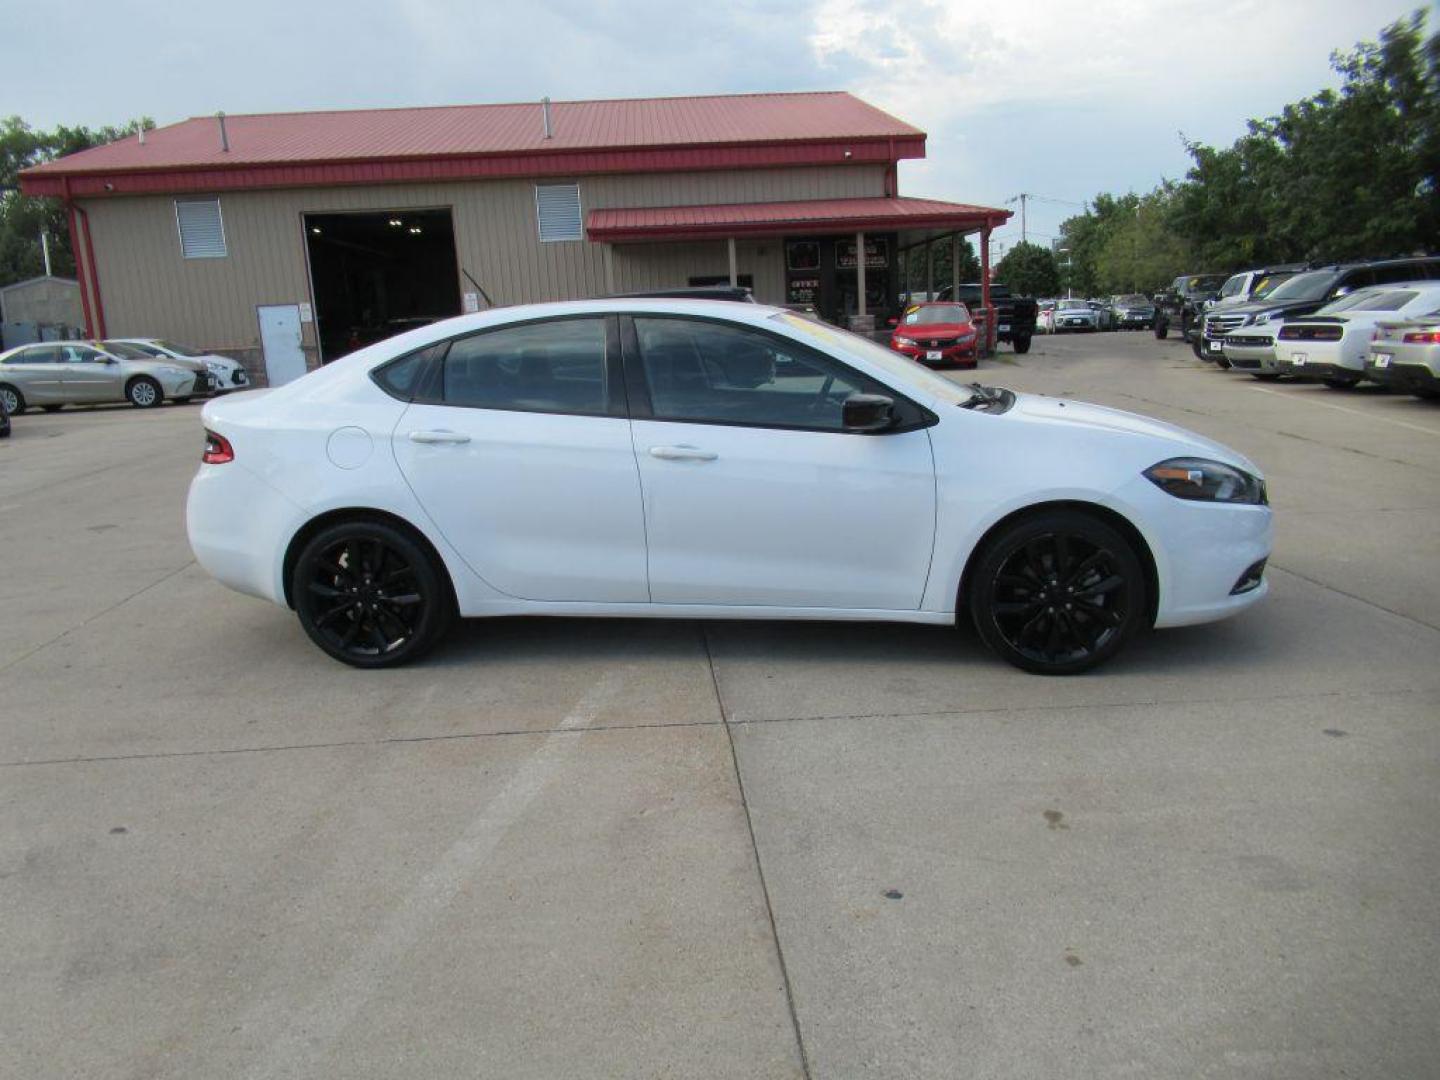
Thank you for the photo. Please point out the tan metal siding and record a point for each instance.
(149, 288)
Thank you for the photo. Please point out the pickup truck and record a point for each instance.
(1183, 305)
(1014, 315)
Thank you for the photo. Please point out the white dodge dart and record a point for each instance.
(697, 459)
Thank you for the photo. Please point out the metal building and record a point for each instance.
(288, 239)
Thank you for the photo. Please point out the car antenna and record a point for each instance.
(481, 288)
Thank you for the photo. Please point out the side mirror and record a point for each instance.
(867, 412)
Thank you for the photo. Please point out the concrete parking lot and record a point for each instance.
(645, 849)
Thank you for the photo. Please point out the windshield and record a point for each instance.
(888, 360)
(1074, 305)
(1204, 282)
(1311, 286)
(179, 350)
(1134, 298)
(1233, 286)
(927, 314)
(125, 351)
(1268, 283)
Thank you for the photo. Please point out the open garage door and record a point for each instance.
(378, 273)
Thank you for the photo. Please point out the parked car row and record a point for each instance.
(143, 371)
(1341, 324)
(1124, 312)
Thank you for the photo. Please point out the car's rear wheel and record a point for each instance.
(1021, 345)
(1057, 593)
(1265, 376)
(1162, 331)
(143, 392)
(370, 595)
(1342, 382)
(14, 400)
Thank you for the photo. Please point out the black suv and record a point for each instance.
(1183, 304)
(1308, 292)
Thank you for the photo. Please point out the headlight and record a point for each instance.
(1261, 319)
(904, 341)
(966, 335)
(214, 368)
(1207, 481)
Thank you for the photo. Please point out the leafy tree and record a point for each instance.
(914, 268)
(1029, 270)
(1347, 173)
(21, 217)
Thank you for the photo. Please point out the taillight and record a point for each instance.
(218, 450)
(1423, 337)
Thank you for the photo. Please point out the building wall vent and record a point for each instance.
(202, 230)
(557, 206)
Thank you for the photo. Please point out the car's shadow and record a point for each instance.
(1235, 644)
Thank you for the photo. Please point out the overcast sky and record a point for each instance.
(1062, 99)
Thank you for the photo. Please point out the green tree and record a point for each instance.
(912, 266)
(21, 217)
(1029, 270)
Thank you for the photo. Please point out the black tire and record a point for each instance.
(1426, 395)
(344, 588)
(1265, 376)
(144, 392)
(1221, 362)
(52, 408)
(1021, 345)
(1162, 330)
(1033, 562)
(1196, 349)
(1342, 382)
(14, 400)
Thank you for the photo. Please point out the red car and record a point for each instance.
(937, 334)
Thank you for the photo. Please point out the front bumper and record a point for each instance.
(1252, 353)
(1201, 552)
(1069, 324)
(961, 355)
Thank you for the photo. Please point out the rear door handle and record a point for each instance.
(682, 453)
(434, 437)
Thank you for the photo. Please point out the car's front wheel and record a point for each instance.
(1057, 593)
(144, 392)
(1021, 344)
(14, 400)
(370, 595)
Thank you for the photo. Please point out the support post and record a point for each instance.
(610, 268)
(985, 287)
(955, 266)
(929, 269)
(734, 268)
(860, 273)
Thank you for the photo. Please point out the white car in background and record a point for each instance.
(699, 459)
(53, 374)
(1331, 345)
(1075, 315)
(225, 374)
(1045, 317)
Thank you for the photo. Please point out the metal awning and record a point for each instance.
(808, 217)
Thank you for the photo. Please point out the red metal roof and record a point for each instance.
(456, 142)
(774, 218)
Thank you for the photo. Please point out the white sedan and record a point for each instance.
(225, 374)
(1332, 344)
(695, 459)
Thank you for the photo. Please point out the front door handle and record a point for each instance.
(436, 437)
(682, 453)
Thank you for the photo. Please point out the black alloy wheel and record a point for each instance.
(370, 595)
(1058, 593)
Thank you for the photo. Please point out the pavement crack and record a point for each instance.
(97, 615)
(1354, 596)
(759, 863)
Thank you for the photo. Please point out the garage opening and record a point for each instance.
(377, 274)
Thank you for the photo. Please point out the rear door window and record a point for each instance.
(555, 366)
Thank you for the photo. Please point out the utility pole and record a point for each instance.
(45, 250)
(1022, 199)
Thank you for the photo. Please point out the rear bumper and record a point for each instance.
(1410, 377)
(237, 523)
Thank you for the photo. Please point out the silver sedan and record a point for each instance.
(52, 374)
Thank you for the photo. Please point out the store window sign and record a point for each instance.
(802, 255)
(877, 254)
